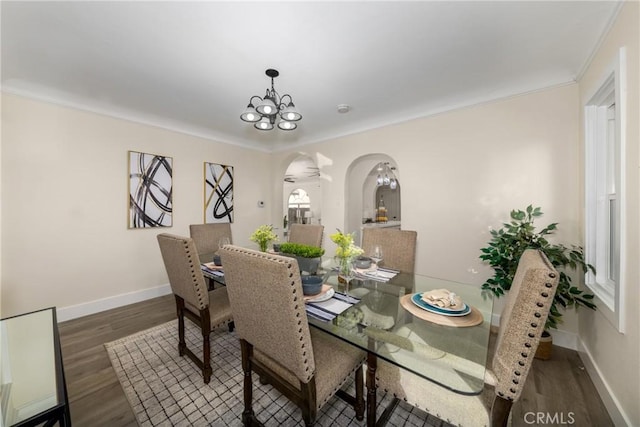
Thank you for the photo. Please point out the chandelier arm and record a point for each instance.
(286, 95)
(254, 96)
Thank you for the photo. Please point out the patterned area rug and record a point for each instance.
(165, 389)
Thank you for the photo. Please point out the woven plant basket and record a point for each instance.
(544, 348)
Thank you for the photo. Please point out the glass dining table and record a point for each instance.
(390, 323)
(385, 318)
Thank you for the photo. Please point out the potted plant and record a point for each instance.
(507, 245)
(263, 235)
(308, 256)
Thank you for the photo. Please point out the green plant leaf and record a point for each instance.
(304, 251)
(509, 242)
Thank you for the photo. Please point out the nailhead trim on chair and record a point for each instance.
(527, 344)
(271, 258)
(202, 302)
(320, 404)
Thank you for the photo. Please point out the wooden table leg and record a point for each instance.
(372, 363)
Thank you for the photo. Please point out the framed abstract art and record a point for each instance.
(150, 190)
(218, 193)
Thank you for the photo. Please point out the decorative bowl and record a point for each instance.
(362, 262)
(311, 285)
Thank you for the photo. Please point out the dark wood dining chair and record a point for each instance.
(398, 246)
(306, 365)
(306, 234)
(521, 325)
(207, 310)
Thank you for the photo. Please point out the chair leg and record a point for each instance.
(308, 407)
(500, 410)
(248, 416)
(205, 325)
(180, 309)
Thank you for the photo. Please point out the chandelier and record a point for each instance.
(273, 107)
(383, 168)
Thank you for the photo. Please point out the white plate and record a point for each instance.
(416, 300)
(326, 297)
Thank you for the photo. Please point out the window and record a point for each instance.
(604, 192)
(299, 207)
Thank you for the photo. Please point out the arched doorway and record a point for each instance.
(363, 192)
(302, 182)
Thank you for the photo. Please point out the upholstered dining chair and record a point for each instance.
(207, 236)
(207, 310)
(306, 234)
(521, 325)
(305, 364)
(399, 247)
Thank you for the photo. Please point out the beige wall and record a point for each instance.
(64, 205)
(613, 355)
(463, 172)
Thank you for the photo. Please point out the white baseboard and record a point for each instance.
(96, 306)
(617, 414)
(565, 339)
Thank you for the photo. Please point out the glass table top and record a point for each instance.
(454, 357)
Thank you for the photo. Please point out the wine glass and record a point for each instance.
(377, 256)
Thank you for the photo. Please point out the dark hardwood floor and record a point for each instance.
(560, 389)
(95, 394)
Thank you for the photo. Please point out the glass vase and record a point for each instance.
(344, 267)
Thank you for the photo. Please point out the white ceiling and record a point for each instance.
(192, 66)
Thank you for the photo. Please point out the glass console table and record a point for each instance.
(32, 382)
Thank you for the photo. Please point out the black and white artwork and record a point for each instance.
(150, 190)
(218, 193)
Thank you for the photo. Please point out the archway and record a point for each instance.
(362, 193)
(302, 177)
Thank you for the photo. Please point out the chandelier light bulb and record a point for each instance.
(285, 125)
(264, 124)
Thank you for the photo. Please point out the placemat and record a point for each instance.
(472, 319)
